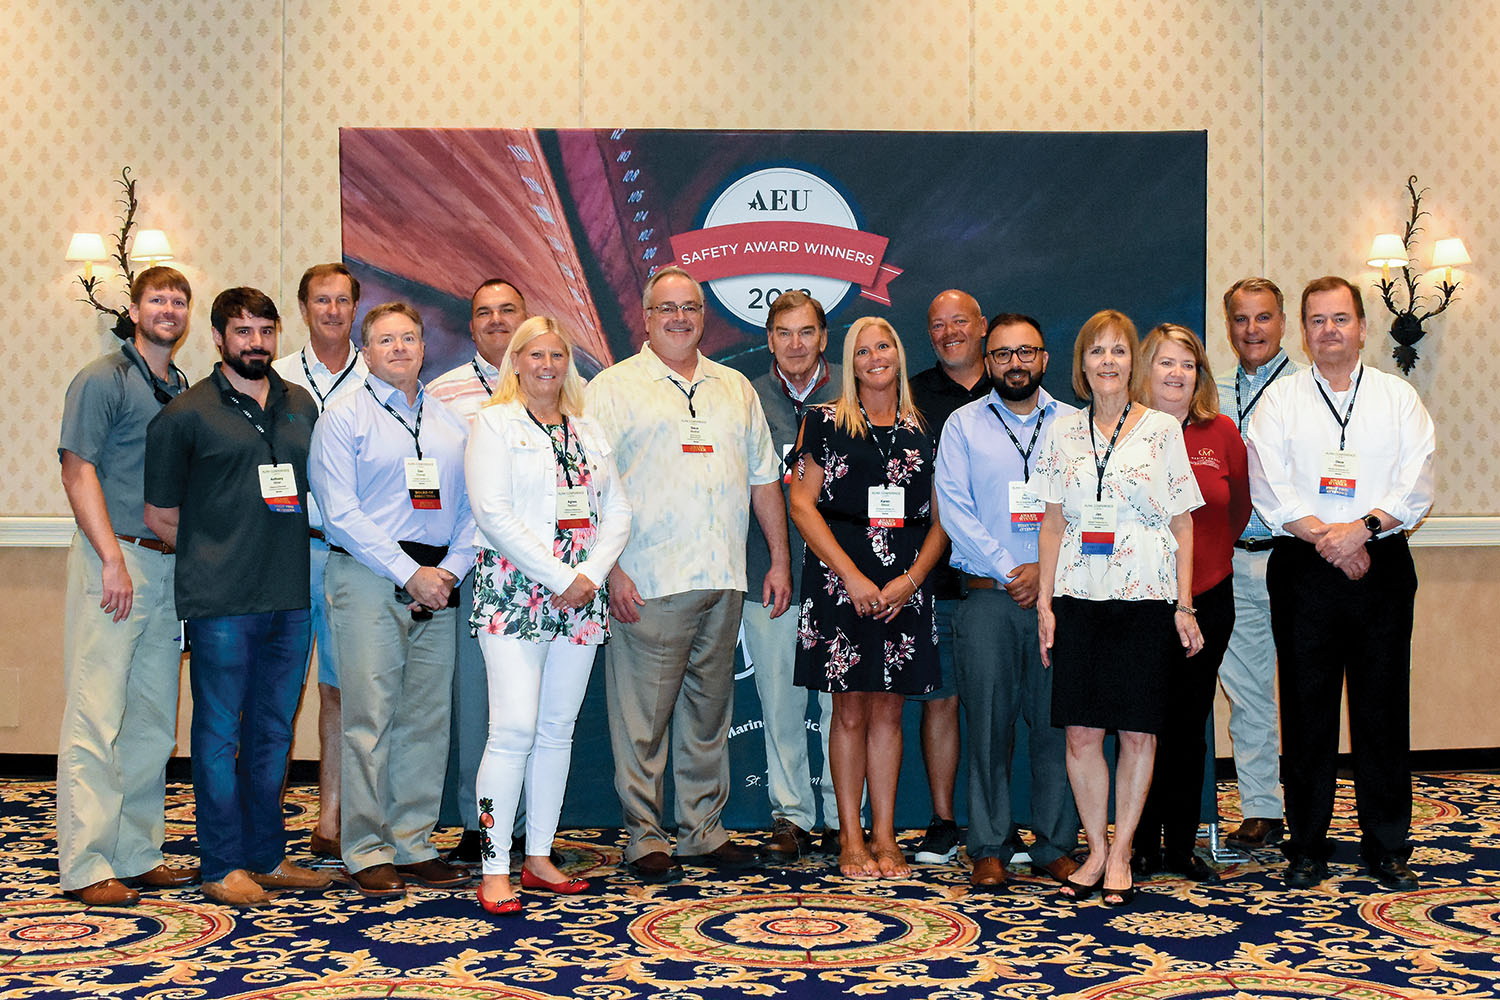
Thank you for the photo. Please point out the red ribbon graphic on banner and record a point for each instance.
(783, 247)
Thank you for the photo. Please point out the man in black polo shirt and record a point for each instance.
(226, 485)
(957, 329)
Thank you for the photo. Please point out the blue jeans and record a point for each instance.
(247, 673)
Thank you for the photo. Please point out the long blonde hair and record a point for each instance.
(1204, 405)
(846, 412)
(508, 388)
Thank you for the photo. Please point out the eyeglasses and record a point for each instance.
(688, 309)
(1025, 355)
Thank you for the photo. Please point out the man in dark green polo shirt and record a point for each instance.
(226, 485)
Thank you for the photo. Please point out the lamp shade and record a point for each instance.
(1449, 253)
(1387, 251)
(87, 247)
(151, 245)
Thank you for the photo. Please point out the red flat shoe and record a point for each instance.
(510, 906)
(571, 887)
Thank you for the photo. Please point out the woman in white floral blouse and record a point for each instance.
(1116, 589)
(553, 519)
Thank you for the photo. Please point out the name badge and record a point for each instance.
(887, 506)
(1026, 508)
(278, 488)
(696, 438)
(1099, 522)
(1338, 473)
(572, 507)
(422, 484)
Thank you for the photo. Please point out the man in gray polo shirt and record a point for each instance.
(121, 660)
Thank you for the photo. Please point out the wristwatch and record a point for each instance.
(1372, 522)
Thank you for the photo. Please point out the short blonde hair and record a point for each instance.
(1205, 402)
(508, 388)
(1094, 328)
(846, 413)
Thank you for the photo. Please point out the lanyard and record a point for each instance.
(560, 454)
(415, 432)
(486, 383)
(323, 396)
(689, 393)
(179, 381)
(1348, 410)
(885, 452)
(241, 403)
(1026, 452)
(1101, 463)
(800, 405)
(1245, 411)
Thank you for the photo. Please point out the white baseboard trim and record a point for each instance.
(1435, 532)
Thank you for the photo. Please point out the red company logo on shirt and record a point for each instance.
(777, 229)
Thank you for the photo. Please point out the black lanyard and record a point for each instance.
(160, 387)
(560, 454)
(1100, 464)
(415, 432)
(1026, 452)
(324, 396)
(1247, 410)
(486, 383)
(885, 452)
(689, 393)
(241, 403)
(1348, 410)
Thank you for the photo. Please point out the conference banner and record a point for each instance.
(1053, 225)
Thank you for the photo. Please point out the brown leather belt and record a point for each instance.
(980, 583)
(316, 533)
(154, 544)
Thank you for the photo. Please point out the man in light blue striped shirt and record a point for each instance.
(1255, 317)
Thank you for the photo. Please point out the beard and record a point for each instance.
(253, 368)
(1017, 392)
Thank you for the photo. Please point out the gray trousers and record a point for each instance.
(396, 676)
(1248, 675)
(1000, 677)
(673, 669)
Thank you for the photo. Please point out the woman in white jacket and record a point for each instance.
(553, 519)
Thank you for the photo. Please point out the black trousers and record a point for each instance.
(1331, 631)
(1175, 802)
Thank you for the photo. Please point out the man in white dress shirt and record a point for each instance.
(329, 368)
(495, 310)
(1340, 469)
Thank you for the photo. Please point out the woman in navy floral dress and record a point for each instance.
(862, 498)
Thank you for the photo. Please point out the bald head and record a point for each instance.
(956, 327)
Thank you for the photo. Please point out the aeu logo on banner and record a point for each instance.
(777, 229)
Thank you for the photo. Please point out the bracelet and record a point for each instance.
(1187, 610)
(914, 587)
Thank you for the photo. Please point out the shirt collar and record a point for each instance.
(315, 364)
(1264, 371)
(662, 371)
(1045, 404)
(389, 394)
(276, 391)
(175, 379)
(1354, 378)
(820, 376)
(490, 371)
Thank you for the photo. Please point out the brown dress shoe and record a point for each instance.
(1255, 833)
(1060, 868)
(289, 876)
(435, 873)
(988, 873)
(323, 847)
(788, 842)
(378, 881)
(106, 892)
(655, 868)
(164, 876)
(237, 889)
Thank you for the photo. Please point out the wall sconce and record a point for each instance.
(1391, 250)
(151, 247)
(88, 248)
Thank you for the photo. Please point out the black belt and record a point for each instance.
(1255, 544)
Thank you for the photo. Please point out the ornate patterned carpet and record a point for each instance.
(798, 931)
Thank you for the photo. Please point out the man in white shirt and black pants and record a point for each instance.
(1340, 468)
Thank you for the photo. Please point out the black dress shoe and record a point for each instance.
(1145, 864)
(1394, 874)
(466, 852)
(655, 868)
(1191, 867)
(1304, 873)
(728, 856)
(828, 841)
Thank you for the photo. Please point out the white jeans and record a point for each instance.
(535, 692)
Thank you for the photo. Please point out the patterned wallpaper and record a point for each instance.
(231, 124)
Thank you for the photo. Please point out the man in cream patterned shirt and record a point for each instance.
(694, 453)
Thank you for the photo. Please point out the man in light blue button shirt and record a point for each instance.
(988, 450)
(1255, 317)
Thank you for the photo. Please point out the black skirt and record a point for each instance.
(1110, 663)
